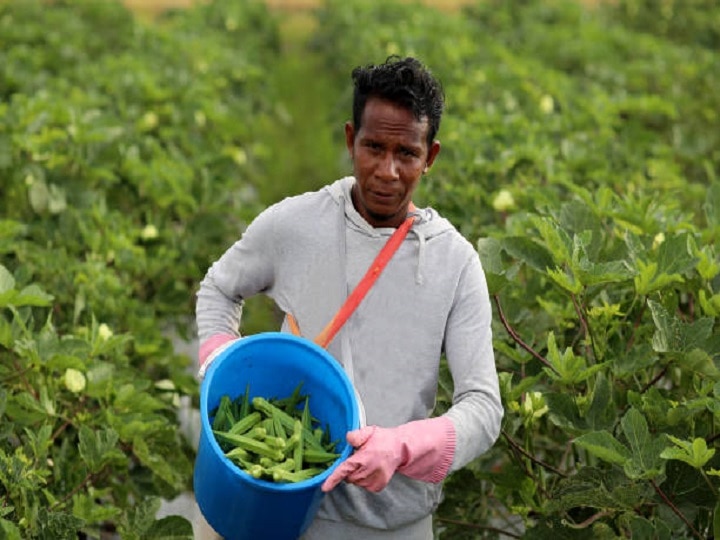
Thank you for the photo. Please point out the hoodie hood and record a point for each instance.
(427, 221)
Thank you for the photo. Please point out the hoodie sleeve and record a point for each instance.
(244, 270)
(477, 409)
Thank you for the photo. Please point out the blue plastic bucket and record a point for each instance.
(234, 503)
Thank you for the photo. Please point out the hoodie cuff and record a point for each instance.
(447, 454)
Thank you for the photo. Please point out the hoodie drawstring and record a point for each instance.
(421, 255)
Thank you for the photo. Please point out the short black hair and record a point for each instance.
(404, 81)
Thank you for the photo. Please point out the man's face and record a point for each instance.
(389, 153)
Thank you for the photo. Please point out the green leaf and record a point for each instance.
(39, 441)
(602, 412)
(564, 412)
(9, 531)
(139, 518)
(569, 368)
(565, 280)
(675, 255)
(133, 398)
(604, 446)
(644, 529)
(528, 251)
(5, 151)
(92, 510)
(57, 525)
(514, 392)
(645, 462)
(674, 335)
(39, 195)
(711, 206)
(7, 281)
(6, 332)
(596, 487)
(579, 216)
(155, 461)
(29, 403)
(701, 362)
(674, 258)
(648, 278)
(170, 528)
(695, 453)
(32, 295)
(489, 251)
(97, 447)
(708, 265)
(556, 240)
(606, 272)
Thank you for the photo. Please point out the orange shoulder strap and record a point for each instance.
(353, 301)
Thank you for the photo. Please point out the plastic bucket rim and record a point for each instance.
(267, 485)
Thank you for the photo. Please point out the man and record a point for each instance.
(308, 253)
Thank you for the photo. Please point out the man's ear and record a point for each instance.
(350, 137)
(433, 151)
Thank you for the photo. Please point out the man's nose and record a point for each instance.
(388, 168)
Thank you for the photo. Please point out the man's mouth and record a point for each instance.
(382, 196)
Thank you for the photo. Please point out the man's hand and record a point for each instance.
(422, 450)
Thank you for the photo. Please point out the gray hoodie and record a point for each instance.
(307, 253)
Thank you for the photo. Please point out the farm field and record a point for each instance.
(581, 157)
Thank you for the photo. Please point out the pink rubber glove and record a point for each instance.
(211, 348)
(422, 450)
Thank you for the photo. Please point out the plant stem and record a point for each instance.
(589, 341)
(589, 521)
(517, 338)
(675, 509)
(535, 460)
(87, 480)
(655, 379)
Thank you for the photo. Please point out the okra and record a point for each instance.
(319, 456)
(251, 445)
(245, 406)
(298, 450)
(274, 439)
(278, 427)
(223, 415)
(241, 457)
(306, 420)
(276, 442)
(246, 423)
(238, 452)
(286, 465)
(288, 422)
(281, 475)
(258, 433)
(267, 462)
(289, 404)
(269, 425)
(256, 471)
